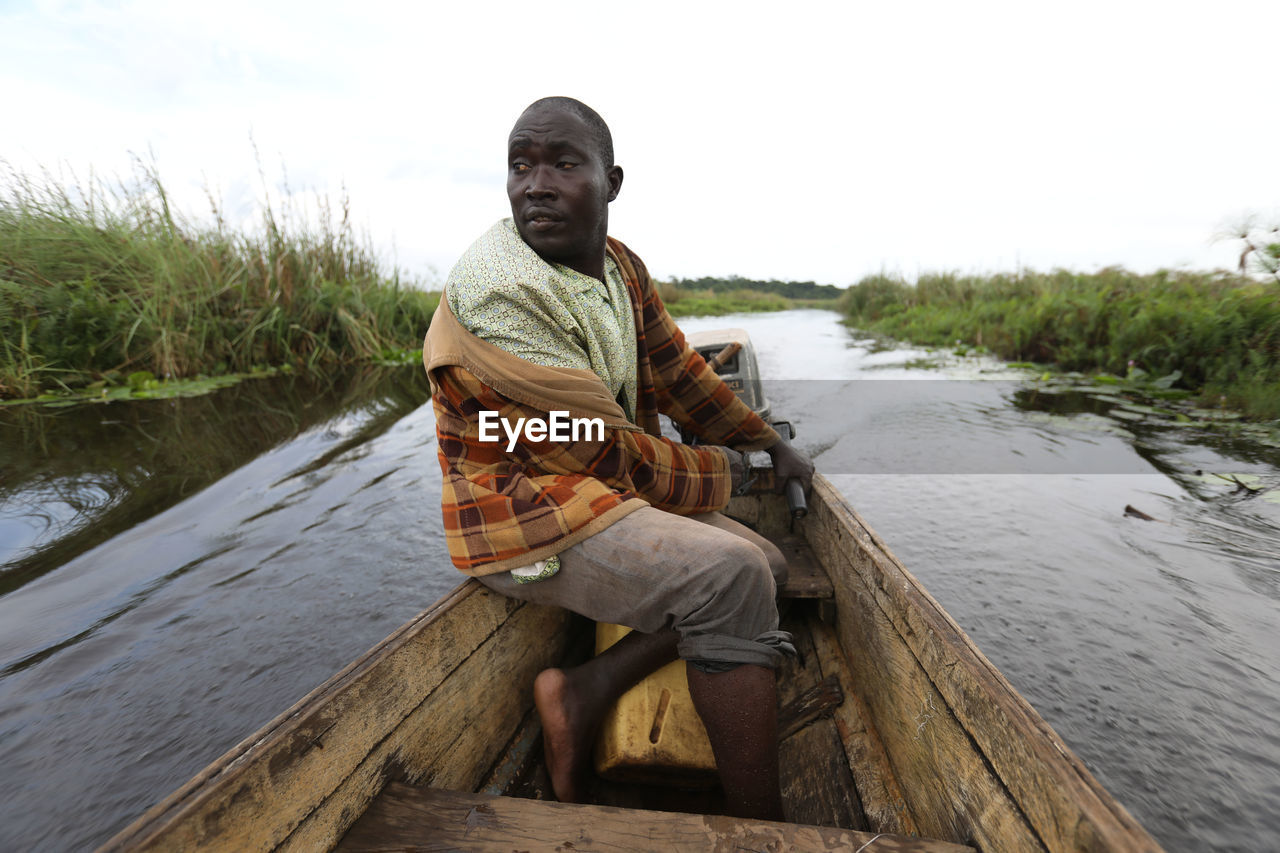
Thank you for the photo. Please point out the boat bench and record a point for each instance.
(806, 577)
(408, 818)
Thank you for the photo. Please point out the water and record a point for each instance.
(294, 526)
(268, 535)
(1150, 646)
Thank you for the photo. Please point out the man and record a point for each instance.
(545, 314)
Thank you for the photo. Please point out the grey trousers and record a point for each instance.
(709, 578)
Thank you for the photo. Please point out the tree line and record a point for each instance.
(789, 289)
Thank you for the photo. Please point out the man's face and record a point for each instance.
(559, 189)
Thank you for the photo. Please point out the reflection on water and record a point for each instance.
(264, 536)
(73, 477)
(222, 556)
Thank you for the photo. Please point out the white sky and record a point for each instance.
(794, 140)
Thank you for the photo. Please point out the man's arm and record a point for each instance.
(689, 391)
(683, 385)
(669, 475)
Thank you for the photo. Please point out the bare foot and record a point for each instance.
(566, 733)
(571, 703)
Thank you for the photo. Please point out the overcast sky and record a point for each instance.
(788, 140)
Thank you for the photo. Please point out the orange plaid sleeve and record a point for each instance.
(499, 505)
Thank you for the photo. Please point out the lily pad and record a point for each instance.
(1103, 392)
(1140, 409)
(1215, 414)
(1252, 482)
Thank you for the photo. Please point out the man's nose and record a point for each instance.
(539, 186)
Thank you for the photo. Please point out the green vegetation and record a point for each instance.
(707, 303)
(107, 286)
(715, 297)
(1217, 335)
(734, 284)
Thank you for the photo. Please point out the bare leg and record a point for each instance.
(572, 702)
(740, 711)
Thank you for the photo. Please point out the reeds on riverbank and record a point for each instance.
(99, 281)
(1219, 333)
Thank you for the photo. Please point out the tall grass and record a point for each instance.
(102, 279)
(1220, 332)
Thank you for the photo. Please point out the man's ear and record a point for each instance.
(614, 176)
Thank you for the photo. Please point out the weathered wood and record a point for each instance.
(949, 790)
(929, 737)
(817, 787)
(418, 819)
(817, 703)
(454, 736)
(878, 791)
(974, 759)
(762, 511)
(516, 772)
(325, 758)
(806, 577)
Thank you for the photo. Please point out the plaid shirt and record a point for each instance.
(505, 509)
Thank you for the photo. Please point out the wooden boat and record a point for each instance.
(896, 729)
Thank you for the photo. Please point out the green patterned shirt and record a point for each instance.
(504, 293)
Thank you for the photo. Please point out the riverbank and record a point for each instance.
(1215, 335)
(682, 301)
(106, 287)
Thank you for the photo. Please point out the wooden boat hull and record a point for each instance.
(930, 739)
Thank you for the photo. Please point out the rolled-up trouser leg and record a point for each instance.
(652, 570)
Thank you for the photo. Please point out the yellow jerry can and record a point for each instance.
(653, 734)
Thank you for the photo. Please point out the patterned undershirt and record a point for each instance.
(504, 293)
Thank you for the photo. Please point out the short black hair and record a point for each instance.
(600, 134)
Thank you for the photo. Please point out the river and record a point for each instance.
(174, 573)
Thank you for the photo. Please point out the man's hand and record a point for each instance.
(788, 463)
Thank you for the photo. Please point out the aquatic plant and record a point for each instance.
(100, 280)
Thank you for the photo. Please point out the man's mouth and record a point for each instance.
(541, 219)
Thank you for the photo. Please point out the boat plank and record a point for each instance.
(878, 791)
(423, 819)
(950, 790)
(313, 748)
(817, 703)
(456, 735)
(805, 576)
(1068, 809)
(817, 785)
(520, 771)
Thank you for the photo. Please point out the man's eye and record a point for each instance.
(519, 168)
(565, 164)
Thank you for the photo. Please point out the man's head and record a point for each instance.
(560, 180)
